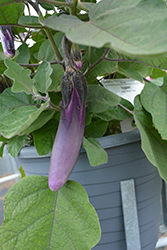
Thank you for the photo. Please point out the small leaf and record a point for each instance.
(116, 113)
(22, 172)
(131, 73)
(24, 54)
(42, 77)
(15, 144)
(2, 145)
(21, 77)
(37, 218)
(96, 129)
(96, 154)
(46, 52)
(44, 137)
(29, 20)
(56, 77)
(100, 99)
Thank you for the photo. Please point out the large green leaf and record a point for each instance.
(96, 154)
(20, 75)
(100, 99)
(152, 144)
(154, 100)
(37, 218)
(10, 13)
(42, 78)
(132, 27)
(18, 112)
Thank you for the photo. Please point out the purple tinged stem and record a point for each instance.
(67, 143)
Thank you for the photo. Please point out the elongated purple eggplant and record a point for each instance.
(7, 40)
(70, 132)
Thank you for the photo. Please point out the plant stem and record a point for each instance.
(73, 7)
(54, 46)
(97, 62)
(36, 64)
(126, 109)
(57, 3)
(131, 60)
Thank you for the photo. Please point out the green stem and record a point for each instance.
(126, 109)
(57, 3)
(97, 62)
(54, 46)
(32, 65)
(73, 7)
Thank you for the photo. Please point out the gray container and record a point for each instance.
(102, 183)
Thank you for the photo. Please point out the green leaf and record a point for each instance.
(102, 68)
(44, 137)
(96, 129)
(24, 54)
(134, 70)
(42, 119)
(157, 73)
(154, 99)
(96, 154)
(156, 61)
(116, 113)
(56, 77)
(100, 99)
(42, 77)
(152, 144)
(37, 218)
(1, 149)
(18, 112)
(20, 75)
(15, 144)
(46, 52)
(29, 20)
(119, 24)
(10, 101)
(10, 13)
(47, 6)
(22, 172)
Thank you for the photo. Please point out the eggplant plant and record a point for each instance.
(54, 99)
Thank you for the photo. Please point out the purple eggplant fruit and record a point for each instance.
(7, 40)
(70, 132)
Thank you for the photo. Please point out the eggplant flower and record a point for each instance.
(7, 40)
(70, 132)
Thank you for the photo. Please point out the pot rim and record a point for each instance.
(106, 142)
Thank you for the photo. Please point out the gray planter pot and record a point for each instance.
(102, 183)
